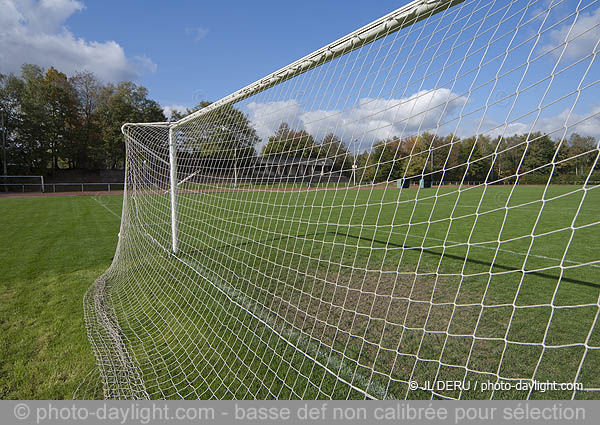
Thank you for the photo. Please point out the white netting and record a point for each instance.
(415, 204)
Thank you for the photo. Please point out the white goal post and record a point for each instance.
(407, 15)
(21, 183)
(410, 205)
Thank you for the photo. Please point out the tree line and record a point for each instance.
(450, 158)
(51, 121)
(227, 132)
(534, 156)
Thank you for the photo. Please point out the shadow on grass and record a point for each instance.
(468, 260)
(424, 250)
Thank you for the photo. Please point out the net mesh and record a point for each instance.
(412, 209)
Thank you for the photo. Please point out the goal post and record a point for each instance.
(410, 205)
(21, 183)
(173, 190)
(404, 16)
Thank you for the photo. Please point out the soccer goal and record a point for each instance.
(413, 204)
(21, 184)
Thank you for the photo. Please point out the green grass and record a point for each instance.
(51, 250)
(323, 268)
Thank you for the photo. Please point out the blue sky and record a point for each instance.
(485, 78)
(188, 51)
(185, 51)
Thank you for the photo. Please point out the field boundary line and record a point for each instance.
(106, 208)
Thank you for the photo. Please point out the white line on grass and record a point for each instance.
(294, 337)
(106, 208)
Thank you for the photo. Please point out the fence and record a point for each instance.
(60, 187)
(111, 187)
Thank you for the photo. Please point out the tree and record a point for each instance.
(440, 158)
(60, 104)
(11, 89)
(176, 115)
(333, 148)
(583, 150)
(49, 121)
(32, 148)
(52, 121)
(415, 154)
(381, 162)
(363, 171)
(471, 156)
(387, 160)
(224, 133)
(291, 142)
(89, 149)
(540, 151)
(125, 102)
(511, 150)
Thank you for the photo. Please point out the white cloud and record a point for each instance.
(266, 117)
(370, 120)
(585, 124)
(197, 33)
(581, 36)
(496, 130)
(168, 110)
(34, 32)
(143, 63)
(377, 119)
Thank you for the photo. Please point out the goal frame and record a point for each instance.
(174, 170)
(41, 184)
(403, 17)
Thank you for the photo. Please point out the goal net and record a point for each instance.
(412, 205)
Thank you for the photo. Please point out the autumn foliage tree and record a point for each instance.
(55, 121)
(291, 142)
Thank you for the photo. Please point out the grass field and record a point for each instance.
(369, 285)
(51, 250)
